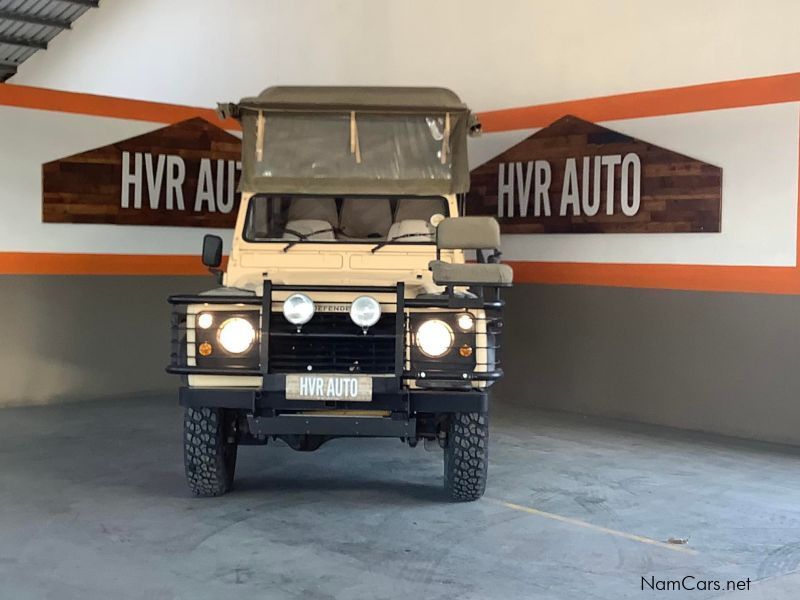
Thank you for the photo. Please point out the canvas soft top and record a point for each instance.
(359, 140)
(389, 99)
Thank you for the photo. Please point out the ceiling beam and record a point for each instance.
(16, 41)
(89, 3)
(12, 15)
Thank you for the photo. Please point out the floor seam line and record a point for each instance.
(598, 528)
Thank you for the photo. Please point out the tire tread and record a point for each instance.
(466, 456)
(208, 473)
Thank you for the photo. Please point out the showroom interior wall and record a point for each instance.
(84, 324)
(697, 331)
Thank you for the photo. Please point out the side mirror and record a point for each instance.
(212, 251)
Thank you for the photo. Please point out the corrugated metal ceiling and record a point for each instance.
(27, 26)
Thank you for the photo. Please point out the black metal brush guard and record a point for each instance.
(383, 349)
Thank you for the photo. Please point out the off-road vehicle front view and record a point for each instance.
(347, 308)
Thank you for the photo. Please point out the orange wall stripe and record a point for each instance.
(764, 280)
(654, 103)
(23, 96)
(709, 96)
(44, 263)
(770, 280)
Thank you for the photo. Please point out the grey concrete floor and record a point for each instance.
(93, 505)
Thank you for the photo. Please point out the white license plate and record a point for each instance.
(347, 388)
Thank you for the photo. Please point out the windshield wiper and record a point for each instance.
(377, 247)
(302, 237)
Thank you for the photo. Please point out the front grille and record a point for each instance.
(331, 343)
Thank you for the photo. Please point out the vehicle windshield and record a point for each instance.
(377, 147)
(357, 219)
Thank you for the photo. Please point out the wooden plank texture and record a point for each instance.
(88, 187)
(678, 194)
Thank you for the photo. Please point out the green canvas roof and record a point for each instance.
(390, 99)
(361, 140)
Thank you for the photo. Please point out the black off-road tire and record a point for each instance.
(209, 456)
(466, 456)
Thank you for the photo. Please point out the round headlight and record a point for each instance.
(298, 309)
(236, 335)
(465, 321)
(434, 338)
(365, 311)
(205, 320)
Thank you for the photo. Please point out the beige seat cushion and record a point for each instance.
(468, 233)
(445, 273)
(422, 209)
(321, 230)
(366, 217)
(322, 209)
(412, 230)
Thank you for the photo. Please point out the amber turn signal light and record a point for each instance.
(204, 349)
(465, 351)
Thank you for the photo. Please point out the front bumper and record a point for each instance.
(386, 396)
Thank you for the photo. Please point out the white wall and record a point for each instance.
(495, 54)
(34, 137)
(757, 149)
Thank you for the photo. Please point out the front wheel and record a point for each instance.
(466, 456)
(209, 450)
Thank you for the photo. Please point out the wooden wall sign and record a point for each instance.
(186, 174)
(577, 177)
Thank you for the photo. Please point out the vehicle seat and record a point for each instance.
(321, 230)
(366, 217)
(405, 231)
(423, 209)
(494, 274)
(319, 209)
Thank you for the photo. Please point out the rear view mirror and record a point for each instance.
(212, 251)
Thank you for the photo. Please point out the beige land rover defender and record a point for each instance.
(347, 308)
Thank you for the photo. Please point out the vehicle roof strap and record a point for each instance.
(355, 147)
(446, 138)
(260, 136)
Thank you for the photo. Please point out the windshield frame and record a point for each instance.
(340, 242)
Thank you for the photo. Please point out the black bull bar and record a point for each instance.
(440, 387)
